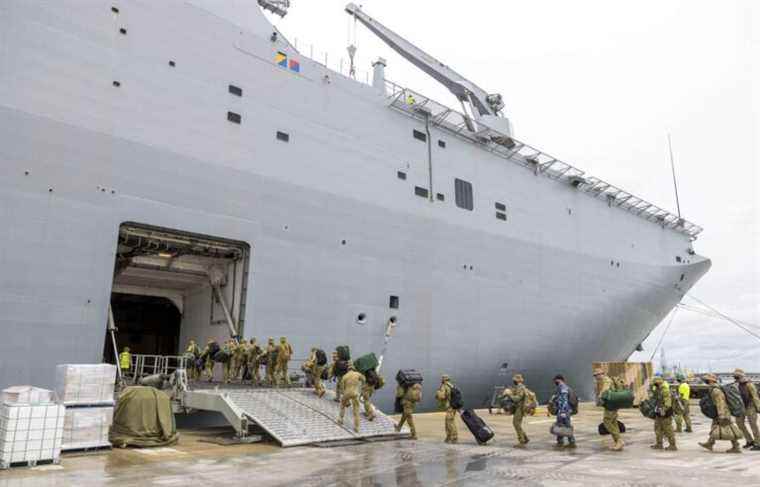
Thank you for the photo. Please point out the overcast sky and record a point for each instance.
(600, 84)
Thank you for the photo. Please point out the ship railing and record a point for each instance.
(334, 63)
(418, 106)
(145, 365)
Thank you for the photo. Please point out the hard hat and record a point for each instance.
(709, 378)
(739, 372)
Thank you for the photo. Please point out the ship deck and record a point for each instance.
(427, 461)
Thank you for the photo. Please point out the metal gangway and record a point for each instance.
(293, 417)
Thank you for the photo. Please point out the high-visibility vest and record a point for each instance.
(125, 360)
(685, 391)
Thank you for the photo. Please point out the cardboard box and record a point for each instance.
(86, 427)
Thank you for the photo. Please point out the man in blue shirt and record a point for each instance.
(564, 411)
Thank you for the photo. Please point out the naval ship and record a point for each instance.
(181, 167)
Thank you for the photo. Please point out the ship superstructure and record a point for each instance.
(202, 177)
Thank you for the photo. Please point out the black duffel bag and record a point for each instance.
(603, 429)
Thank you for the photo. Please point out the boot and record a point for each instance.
(749, 444)
(397, 427)
(735, 449)
(672, 447)
(755, 448)
(689, 430)
(571, 445)
(617, 446)
(519, 445)
(707, 446)
(656, 446)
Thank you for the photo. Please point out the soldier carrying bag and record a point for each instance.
(321, 357)
(734, 400)
(455, 398)
(408, 377)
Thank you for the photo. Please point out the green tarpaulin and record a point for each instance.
(143, 418)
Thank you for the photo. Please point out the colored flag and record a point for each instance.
(281, 59)
(295, 66)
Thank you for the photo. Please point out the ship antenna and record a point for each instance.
(675, 181)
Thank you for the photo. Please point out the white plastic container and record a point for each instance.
(27, 395)
(86, 427)
(85, 384)
(30, 433)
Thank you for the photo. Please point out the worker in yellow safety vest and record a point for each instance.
(125, 361)
(410, 100)
(684, 390)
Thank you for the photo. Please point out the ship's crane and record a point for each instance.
(483, 106)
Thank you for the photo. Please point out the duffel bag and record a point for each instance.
(620, 399)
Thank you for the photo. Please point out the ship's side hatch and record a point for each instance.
(171, 286)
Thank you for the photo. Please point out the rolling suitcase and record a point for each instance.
(479, 429)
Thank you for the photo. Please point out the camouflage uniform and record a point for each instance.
(315, 372)
(284, 351)
(369, 409)
(751, 407)
(518, 396)
(409, 399)
(229, 347)
(443, 394)
(610, 418)
(192, 353)
(271, 356)
(254, 362)
(208, 363)
(239, 354)
(351, 385)
(334, 375)
(663, 422)
(723, 427)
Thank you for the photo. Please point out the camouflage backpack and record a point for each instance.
(618, 384)
(530, 403)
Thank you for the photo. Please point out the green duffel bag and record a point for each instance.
(648, 408)
(620, 399)
(366, 363)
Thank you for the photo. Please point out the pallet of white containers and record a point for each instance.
(85, 384)
(30, 432)
(87, 390)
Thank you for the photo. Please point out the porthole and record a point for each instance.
(361, 319)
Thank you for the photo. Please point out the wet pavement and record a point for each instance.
(425, 462)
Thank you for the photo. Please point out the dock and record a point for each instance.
(199, 460)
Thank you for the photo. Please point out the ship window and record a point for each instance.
(501, 206)
(501, 216)
(116, 84)
(401, 175)
(419, 135)
(235, 90)
(463, 194)
(282, 136)
(234, 117)
(393, 302)
(678, 258)
(440, 197)
(114, 10)
(683, 276)
(442, 144)
(123, 31)
(423, 192)
(361, 319)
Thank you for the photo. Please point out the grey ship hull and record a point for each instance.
(549, 291)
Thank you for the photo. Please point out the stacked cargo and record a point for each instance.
(31, 427)
(87, 390)
(635, 375)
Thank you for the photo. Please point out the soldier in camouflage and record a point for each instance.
(254, 362)
(609, 418)
(284, 352)
(192, 354)
(443, 394)
(751, 407)
(663, 422)
(239, 355)
(271, 362)
(723, 427)
(336, 374)
(208, 359)
(228, 348)
(312, 367)
(518, 395)
(409, 397)
(351, 384)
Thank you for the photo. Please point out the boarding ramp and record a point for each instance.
(293, 417)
